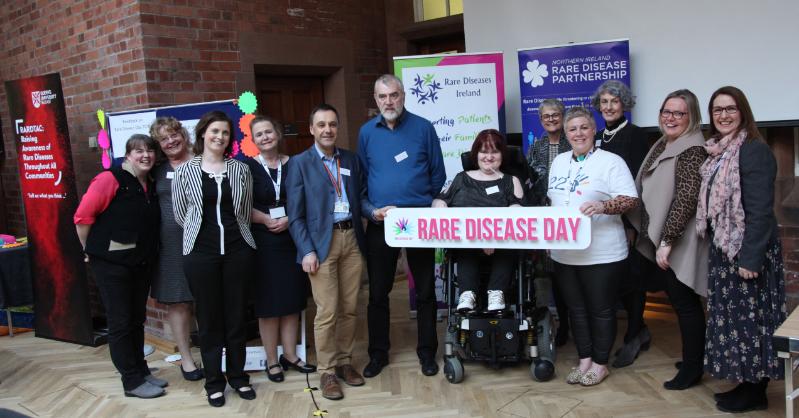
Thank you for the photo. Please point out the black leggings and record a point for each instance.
(591, 293)
(502, 262)
(632, 293)
(690, 314)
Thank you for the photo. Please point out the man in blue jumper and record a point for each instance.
(401, 157)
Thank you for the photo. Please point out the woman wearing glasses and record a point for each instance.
(746, 289)
(539, 158)
(668, 184)
(628, 141)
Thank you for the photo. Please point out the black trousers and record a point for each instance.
(502, 262)
(591, 293)
(381, 264)
(690, 313)
(632, 293)
(124, 293)
(219, 286)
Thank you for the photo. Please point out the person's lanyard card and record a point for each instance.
(341, 207)
(278, 212)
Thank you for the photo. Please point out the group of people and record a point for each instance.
(190, 225)
(689, 216)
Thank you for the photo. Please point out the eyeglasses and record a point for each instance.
(173, 136)
(550, 116)
(668, 113)
(383, 97)
(731, 110)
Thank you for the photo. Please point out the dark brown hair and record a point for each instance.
(747, 118)
(490, 139)
(202, 126)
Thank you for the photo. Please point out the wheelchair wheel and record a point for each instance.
(543, 367)
(453, 369)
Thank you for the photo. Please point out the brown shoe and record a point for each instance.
(331, 389)
(349, 375)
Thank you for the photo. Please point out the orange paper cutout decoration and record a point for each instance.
(248, 147)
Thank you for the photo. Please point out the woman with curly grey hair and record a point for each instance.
(612, 99)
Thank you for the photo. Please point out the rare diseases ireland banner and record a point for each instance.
(570, 73)
(47, 180)
(461, 94)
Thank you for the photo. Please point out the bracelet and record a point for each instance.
(664, 244)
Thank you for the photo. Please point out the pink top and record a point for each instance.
(101, 192)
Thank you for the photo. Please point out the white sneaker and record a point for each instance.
(496, 300)
(466, 301)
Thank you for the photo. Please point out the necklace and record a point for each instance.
(612, 133)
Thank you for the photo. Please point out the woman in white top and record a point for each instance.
(601, 186)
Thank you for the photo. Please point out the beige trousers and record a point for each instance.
(335, 292)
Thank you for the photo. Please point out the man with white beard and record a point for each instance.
(401, 156)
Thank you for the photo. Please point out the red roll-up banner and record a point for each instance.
(47, 180)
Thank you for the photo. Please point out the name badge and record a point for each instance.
(341, 207)
(492, 189)
(345, 171)
(170, 175)
(401, 156)
(278, 212)
(598, 143)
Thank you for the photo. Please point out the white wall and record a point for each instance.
(696, 44)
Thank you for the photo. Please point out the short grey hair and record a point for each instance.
(579, 112)
(616, 89)
(553, 103)
(388, 79)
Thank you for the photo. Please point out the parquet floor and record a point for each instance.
(44, 378)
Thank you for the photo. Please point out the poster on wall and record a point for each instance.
(121, 125)
(47, 182)
(570, 73)
(461, 94)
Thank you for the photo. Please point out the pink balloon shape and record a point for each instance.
(106, 161)
(102, 139)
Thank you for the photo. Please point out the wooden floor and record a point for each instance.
(46, 378)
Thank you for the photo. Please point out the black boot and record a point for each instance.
(731, 394)
(627, 354)
(751, 398)
(689, 375)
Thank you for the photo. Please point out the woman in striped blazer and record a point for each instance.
(212, 198)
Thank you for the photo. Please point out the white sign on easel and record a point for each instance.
(256, 356)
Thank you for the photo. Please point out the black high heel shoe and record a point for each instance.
(305, 368)
(193, 375)
(277, 377)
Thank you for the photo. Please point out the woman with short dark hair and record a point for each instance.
(117, 224)
(487, 186)
(212, 197)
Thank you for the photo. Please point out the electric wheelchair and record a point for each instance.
(524, 330)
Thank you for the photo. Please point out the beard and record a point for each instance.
(391, 115)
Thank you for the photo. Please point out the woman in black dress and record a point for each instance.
(170, 286)
(746, 287)
(628, 141)
(281, 285)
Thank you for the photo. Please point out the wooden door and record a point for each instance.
(290, 100)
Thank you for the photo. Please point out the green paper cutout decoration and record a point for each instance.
(247, 102)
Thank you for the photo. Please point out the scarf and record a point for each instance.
(720, 202)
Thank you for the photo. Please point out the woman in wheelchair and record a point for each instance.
(487, 186)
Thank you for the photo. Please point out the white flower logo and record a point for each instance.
(535, 73)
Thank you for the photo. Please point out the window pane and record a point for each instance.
(455, 7)
(434, 9)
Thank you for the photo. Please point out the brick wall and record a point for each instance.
(126, 54)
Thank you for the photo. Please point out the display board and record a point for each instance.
(699, 45)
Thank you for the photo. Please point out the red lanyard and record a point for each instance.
(337, 181)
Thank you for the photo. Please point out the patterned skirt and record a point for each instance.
(742, 316)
